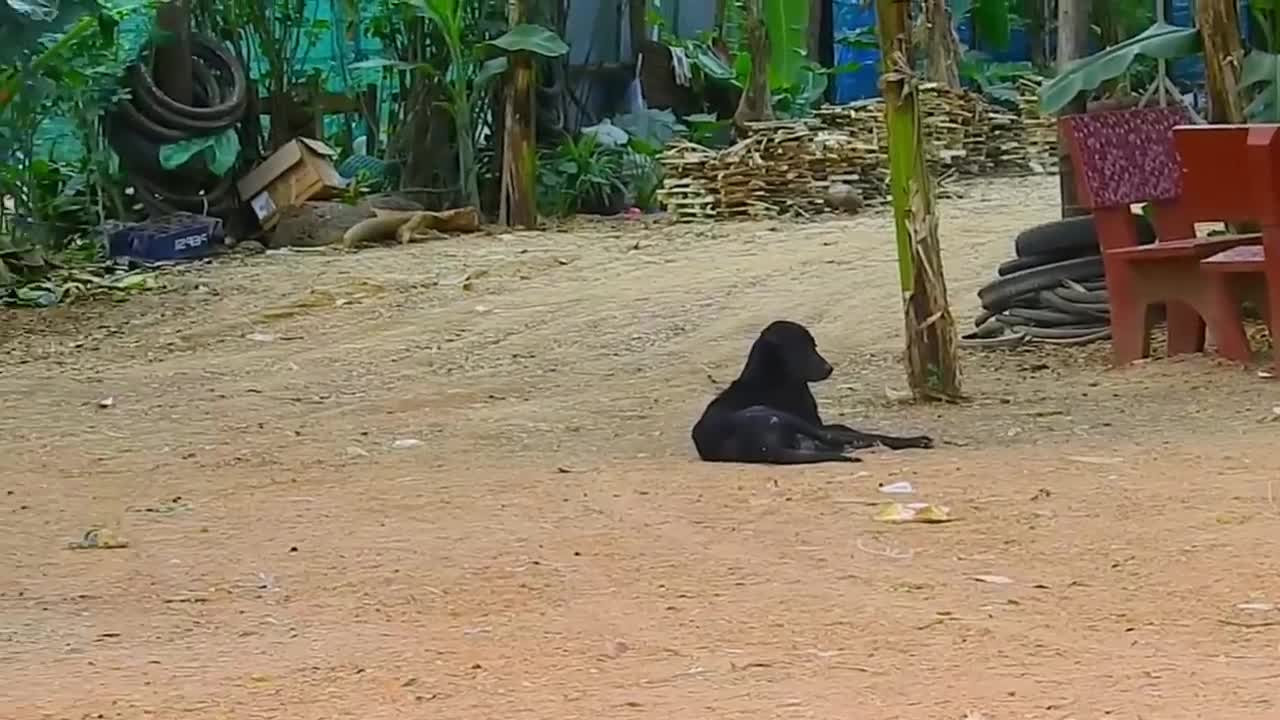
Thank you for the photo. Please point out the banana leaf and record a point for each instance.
(787, 23)
(531, 38)
(1261, 73)
(1161, 41)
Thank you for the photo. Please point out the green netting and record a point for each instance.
(329, 56)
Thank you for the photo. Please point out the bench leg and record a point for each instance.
(1225, 322)
(1186, 328)
(1130, 331)
(1130, 326)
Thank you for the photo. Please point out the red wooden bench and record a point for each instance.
(1128, 157)
(1249, 272)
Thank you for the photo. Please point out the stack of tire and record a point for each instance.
(139, 126)
(1054, 290)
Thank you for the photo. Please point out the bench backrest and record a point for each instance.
(1216, 179)
(1263, 168)
(1125, 156)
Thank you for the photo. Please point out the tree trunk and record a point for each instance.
(1033, 11)
(1073, 44)
(943, 62)
(172, 69)
(755, 105)
(933, 368)
(517, 206)
(637, 24)
(1219, 28)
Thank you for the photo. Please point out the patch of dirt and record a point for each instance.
(455, 479)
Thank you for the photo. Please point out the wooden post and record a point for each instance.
(1223, 53)
(1073, 44)
(172, 68)
(517, 205)
(933, 367)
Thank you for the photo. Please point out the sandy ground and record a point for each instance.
(454, 480)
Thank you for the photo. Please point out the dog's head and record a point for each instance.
(789, 351)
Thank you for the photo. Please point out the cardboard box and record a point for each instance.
(302, 169)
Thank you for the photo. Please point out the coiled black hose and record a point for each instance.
(138, 127)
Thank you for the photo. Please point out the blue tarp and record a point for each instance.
(852, 18)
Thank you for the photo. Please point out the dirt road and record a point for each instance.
(454, 480)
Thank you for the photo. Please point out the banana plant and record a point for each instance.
(471, 69)
(1161, 41)
(787, 23)
(1260, 72)
(991, 19)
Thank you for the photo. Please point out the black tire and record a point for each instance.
(1080, 293)
(988, 329)
(228, 103)
(1018, 264)
(1044, 318)
(1070, 238)
(1103, 333)
(1067, 332)
(982, 318)
(1005, 292)
(999, 342)
(1055, 300)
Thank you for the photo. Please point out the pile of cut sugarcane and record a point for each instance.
(788, 167)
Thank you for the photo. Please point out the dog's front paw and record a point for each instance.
(852, 458)
(921, 442)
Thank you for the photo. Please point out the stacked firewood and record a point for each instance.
(787, 167)
(1040, 131)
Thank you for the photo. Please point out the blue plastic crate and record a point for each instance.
(181, 236)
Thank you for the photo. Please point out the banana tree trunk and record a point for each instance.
(933, 367)
(516, 205)
(943, 62)
(1073, 44)
(756, 105)
(1223, 53)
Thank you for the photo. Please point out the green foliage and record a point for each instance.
(581, 174)
(471, 67)
(649, 130)
(991, 20)
(1266, 18)
(1122, 18)
(74, 76)
(796, 83)
(219, 152)
(1161, 41)
(530, 38)
(1260, 74)
(787, 23)
(646, 180)
(994, 79)
(708, 130)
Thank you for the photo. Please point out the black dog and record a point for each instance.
(768, 415)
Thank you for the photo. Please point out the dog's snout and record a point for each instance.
(826, 370)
